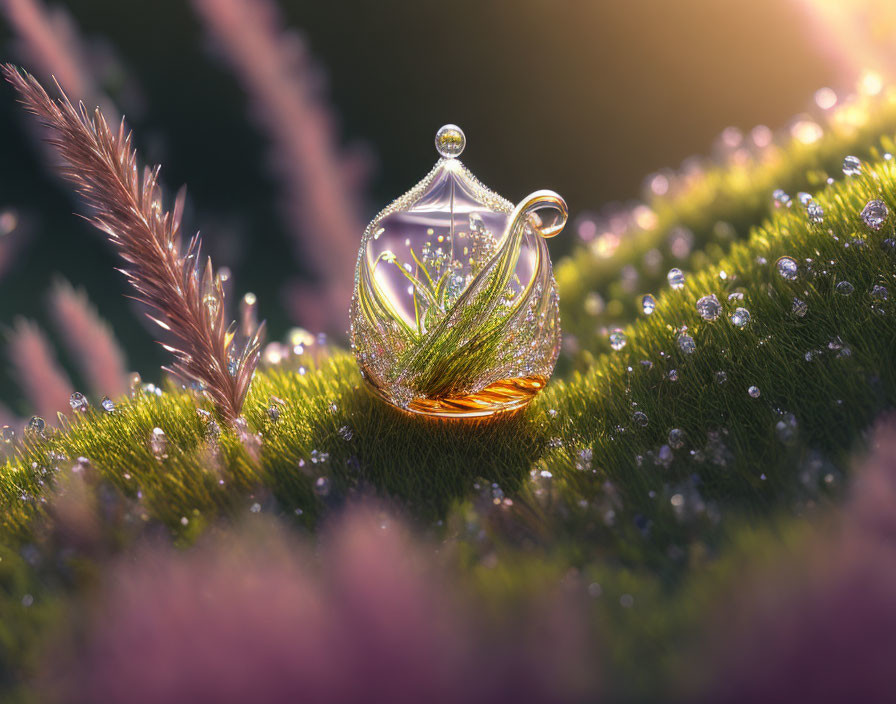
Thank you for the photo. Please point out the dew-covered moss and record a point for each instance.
(594, 452)
(704, 213)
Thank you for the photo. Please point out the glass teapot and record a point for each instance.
(455, 308)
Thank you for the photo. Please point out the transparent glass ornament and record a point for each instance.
(455, 308)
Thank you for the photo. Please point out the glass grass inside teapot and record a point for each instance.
(455, 309)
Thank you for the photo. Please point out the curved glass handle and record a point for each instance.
(529, 209)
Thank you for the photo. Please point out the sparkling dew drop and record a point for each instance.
(78, 402)
(875, 214)
(709, 307)
(845, 288)
(740, 318)
(815, 213)
(852, 166)
(322, 486)
(782, 200)
(676, 438)
(158, 443)
(686, 343)
(648, 304)
(675, 277)
(618, 340)
(880, 293)
(787, 268)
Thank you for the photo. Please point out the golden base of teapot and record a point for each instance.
(504, 396)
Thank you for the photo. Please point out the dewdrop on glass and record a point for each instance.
(455, 309)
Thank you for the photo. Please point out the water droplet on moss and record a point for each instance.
(618, 340)
(322, 486)
(852, 166)
(36, 425)
(786, 428)
(782, 200)
(676, 438)
(787, 268)
(158, 443)
(648, 304)
(815, 213)
(845, 288)
(675, 277)
(740, 318)
(709, 307)
(686, 343)
(78, 402)
(875, 214)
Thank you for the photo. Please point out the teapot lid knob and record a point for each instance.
(450, 141)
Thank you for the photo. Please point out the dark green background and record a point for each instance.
(585, 98)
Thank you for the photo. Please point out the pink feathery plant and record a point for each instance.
(45, 385)
(321, 197)
(260, 616)
(47, 40)
(821, 627)
(187, 299)
(90, 341)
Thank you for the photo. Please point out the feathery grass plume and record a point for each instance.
(188, 298)
(90, 340)
(48, 41)
(45, 385)
(13, 237)
(376, 617)
(320, 200)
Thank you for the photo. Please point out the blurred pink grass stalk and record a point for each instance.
(48, 41)
(45, 385)
(321, 195)
(14, 234)
(90, 341)
(257, 617)
(821, 627)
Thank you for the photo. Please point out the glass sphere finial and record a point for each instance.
(450, 141)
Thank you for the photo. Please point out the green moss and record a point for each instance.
(616, 503)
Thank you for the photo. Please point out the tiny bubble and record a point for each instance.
(648, 304)
(618, 339)
(675, 277)
(787, 268)
(852, 166)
